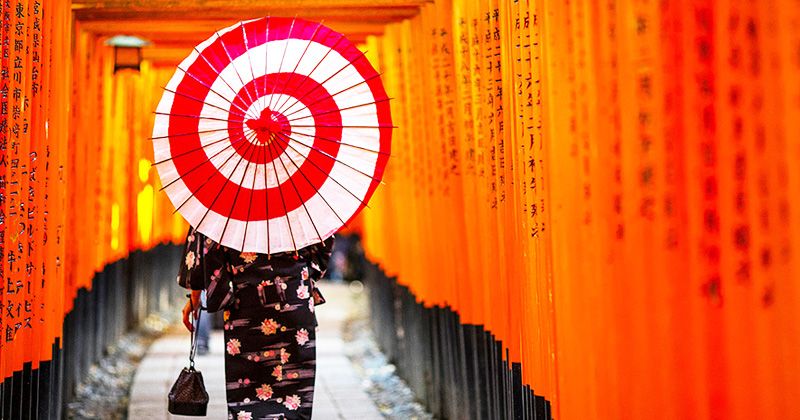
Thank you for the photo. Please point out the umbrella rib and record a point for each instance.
(219, 193)
(201, 185)
(194, 149)
(204, 84)
(197, 117)
(300, 171)
(266, 73)
(283, 201)
(299, 197)
(329, 156)
(266, 201)
(339, 110)
(289, 145)
(187, 134)
(249, 61)
(280, 66)
(235, 70)
(204, 102)
(325, 81)
(201, 163)
(300, 60)
(341, 143)
(367, 80)
(343, 126)
(308, 76)
(250, 150)
(218, 72)
(250, 205)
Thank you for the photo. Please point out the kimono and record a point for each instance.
(268, 303)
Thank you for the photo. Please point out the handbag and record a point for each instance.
(188, 396)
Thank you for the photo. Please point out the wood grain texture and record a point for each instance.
(173, 27)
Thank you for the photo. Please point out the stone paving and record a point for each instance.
(339, 395)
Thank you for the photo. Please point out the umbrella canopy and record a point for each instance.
(272, 134)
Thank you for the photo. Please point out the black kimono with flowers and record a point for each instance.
(268, 303)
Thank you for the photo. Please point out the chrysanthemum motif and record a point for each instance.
(304, 273)
(269, 326)
(190, 259)
(301, 336)
(311, 305)
(284, 355)
(292, 402)
(248, 257)
(264, 392)
(244, 415)
(277, 372)
(302, 292)
(234, 347)
(190, 238)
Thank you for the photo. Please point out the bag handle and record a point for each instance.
(193, 333)
(200, 244)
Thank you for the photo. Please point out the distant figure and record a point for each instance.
(268, 302)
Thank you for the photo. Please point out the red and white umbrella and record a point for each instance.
(272, 134)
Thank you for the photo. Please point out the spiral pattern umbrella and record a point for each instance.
(272, 134)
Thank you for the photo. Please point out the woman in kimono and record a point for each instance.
(268, 303)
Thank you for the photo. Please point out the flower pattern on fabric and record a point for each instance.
(244, 415)
(292, 402)
(248, 257)
(234, 347)
(264, 392)
(301, 336)
(270, 357)
(189, 260)
(277, 372)
(269, 326)
(302, 292)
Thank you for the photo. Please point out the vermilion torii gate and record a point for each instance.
(590, 210)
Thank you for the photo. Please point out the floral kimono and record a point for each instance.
(268, 303)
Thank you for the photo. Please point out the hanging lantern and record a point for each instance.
(127, 51)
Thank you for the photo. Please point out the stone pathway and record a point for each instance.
(339, 393)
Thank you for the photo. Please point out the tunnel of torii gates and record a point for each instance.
(588, 211)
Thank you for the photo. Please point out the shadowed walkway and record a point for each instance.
(339, 393)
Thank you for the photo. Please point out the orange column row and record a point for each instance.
(608, 188)
(77, 190)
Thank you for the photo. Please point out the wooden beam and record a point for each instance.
(298, 5)
(369, 14)
(166, 34)
(175, 26)
(176, 30)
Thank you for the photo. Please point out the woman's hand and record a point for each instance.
(192, 307)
